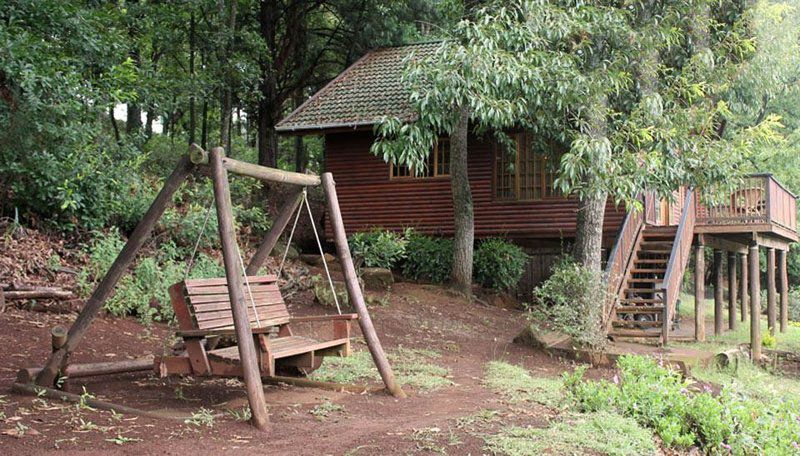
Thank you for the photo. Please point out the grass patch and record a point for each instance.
(603, 432)
(751, 381)
(517, 385)
(326, 410)
(789, 341)
(412, 367)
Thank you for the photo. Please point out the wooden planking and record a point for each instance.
(280, 318)
(226, 305)
(282, 347)
(270, 278)
(263, 313)
(368, 198)
(222, 289)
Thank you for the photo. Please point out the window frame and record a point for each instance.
(522, 139)
(434, 166)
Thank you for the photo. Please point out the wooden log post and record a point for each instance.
(354, 289)
(732, 290)
(783, 277)
(755, 304)
(2, 300)
(140, 234)
(26, 375)
(771, 315)
(744, 290)
(233, 274)
(718, 305)
(699, 293)
(278, 226)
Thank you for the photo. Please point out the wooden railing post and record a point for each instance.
(354, 289)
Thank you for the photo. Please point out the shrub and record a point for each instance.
(657, 397)
(571, 300)
(428, 258)
(794, 303)
(378, 248)
(499, 264)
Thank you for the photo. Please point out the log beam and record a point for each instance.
(104, 289)
(718, 304)
(354, 289)
(201, 157)
(744, 289)
(732, 290)
(755, 304)
(278, 226)
(783, 277)
(771, 314)
(233, 274)
(699, 293)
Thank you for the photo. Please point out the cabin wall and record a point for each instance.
(368, 198)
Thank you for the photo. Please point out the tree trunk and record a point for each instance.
(268, 106)
(300, 156)
(133, 121)
(192, 108)
(463, 217)
(589, 232)
(226, 105)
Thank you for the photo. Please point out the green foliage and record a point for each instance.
(428, 258)
(378, 248)
(571, 300)
(794, 303)
(658, 398)
(142, 293)
(594, 433)
(499, 264)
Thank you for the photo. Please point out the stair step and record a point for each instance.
(646, 280)
(636, 324)
(640, 309)
(647, 243)
(642, 290)
(652, 261)
(642, 300)
(648, 271)
(654, 252)
(634, 333)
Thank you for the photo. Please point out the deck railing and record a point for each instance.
(759, 200)
(678, 259)
(621, 255)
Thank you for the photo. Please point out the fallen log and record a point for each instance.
(308, 383)
(39, 293)
(26, 375)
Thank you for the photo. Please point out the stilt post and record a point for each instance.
(744, 290)
(699, 293)
(278, 226)
(718, 305)
(354, 289)
(755, 305)
(783, 277)
(771, 308)
(732, 290)
(48, 374)
(233, 274)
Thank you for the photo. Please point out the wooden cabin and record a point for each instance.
(647, 251)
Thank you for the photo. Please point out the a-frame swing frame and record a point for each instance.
(219, 166)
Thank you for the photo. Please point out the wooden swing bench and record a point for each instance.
(203, 311)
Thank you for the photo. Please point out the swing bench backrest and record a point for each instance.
(204, 304)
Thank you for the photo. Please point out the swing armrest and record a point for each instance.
(201, 333)
(323, 318)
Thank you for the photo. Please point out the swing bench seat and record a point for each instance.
(202, 308)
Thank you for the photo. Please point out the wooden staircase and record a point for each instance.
(640, 310)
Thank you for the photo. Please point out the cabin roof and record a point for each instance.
(368, 90)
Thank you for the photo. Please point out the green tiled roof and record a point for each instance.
(361, 95)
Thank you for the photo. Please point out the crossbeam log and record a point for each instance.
(264, 173)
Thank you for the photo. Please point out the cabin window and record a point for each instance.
(527, 172)
(436, 164)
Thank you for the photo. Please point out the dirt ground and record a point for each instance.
(468, 335)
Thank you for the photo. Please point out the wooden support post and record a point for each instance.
(2, 300)
(771, 316)
(783, 277)
(744, 290)
(699, 293)
(103, 290)
(233, 274)
(755, 304)
(278, 226)
(201, 157)
(718, 306)
(58, 337)
(354, 289)
(732, 289)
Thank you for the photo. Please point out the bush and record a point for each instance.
(428, 258)
(794, 303)
(378, 248)
(499, 264)
(658, 398)
(572, 301)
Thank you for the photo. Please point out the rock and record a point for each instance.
(277, 252)
(314, 259)
(540, 338)
(502, 300)
(377, 278)
(324, 296)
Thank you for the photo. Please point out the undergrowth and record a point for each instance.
(517, 385)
